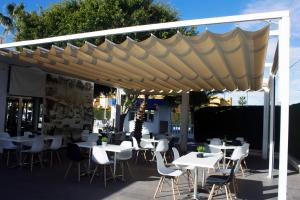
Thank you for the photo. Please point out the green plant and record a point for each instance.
(201, 148)
(104, 139)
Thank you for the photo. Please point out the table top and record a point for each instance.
(18, 139)
(108, 147)
(191, 159)
(223, 146)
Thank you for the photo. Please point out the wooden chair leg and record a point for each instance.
(177, 186)
(31, 162)
(94, 174)
(58, 157)
(158, 186)
(229, 192)
(78, 171)
(68, 169)
(7, 159)
(241, 167)
(137, 156)
(226, 191)
(40, 159)
(129, 170)
(211, 192)
(104, 176)
(162, 183)
(173, 190)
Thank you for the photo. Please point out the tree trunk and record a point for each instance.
(140, 120)
(122, 119)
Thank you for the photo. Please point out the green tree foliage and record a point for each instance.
(78, 16)
(14, 14)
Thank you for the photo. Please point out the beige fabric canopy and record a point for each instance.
(229, 61)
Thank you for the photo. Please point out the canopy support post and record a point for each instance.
(266, 124)
(3, 94)
(284, 80)
(184, 120)
(272, 118)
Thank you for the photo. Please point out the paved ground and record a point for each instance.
(48, 184)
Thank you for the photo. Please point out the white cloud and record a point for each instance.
(294, 7)
(271, 5)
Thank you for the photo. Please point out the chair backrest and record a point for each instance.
(161, 168)
(93, 137)
(216, 141)
(37, 144)
(27, 133)
(237, 156)
(126, 144)
(125, 154)
(212, 149)
(240, 139)
(245, 148)
(162, 146)
(56, 142)
(4, 135)
(146, 136)
(99, 155)
(73, 152)
(145, 144)
(175, 153)
(4, 143)
(135, 143)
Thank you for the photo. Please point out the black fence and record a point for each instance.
(232, 122)
(294, 132)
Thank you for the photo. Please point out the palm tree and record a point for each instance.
(13, 12)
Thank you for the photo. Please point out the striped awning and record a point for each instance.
(208, 61)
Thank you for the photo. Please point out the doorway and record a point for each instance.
(23, 114)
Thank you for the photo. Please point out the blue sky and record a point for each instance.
(193, 9)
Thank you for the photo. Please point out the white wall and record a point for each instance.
(3, 89)
(163, 113)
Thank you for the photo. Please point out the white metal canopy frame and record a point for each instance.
(185, 79)
(229, 61)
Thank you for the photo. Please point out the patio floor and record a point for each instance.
(48, 183)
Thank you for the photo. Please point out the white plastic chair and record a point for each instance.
(166, 172)
(85, 134)
(163, 147)
(241, 139)
(136, 148)
(36, 149)
(145, 147)
(216, 141)
(27, 134)
(54, 147)
(99, 156)
(187, 169)
(7, 146)
(236, 156)
(245, 148)
(93, 137)
(146, 136)
(124, 156)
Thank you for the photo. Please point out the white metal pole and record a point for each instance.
(265, 125)
(272, 118)
(284, 80)
(152, 27)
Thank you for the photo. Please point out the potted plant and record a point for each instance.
(104, 141)
(201, 150)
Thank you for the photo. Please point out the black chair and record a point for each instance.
(75, 157)
(219, 181)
